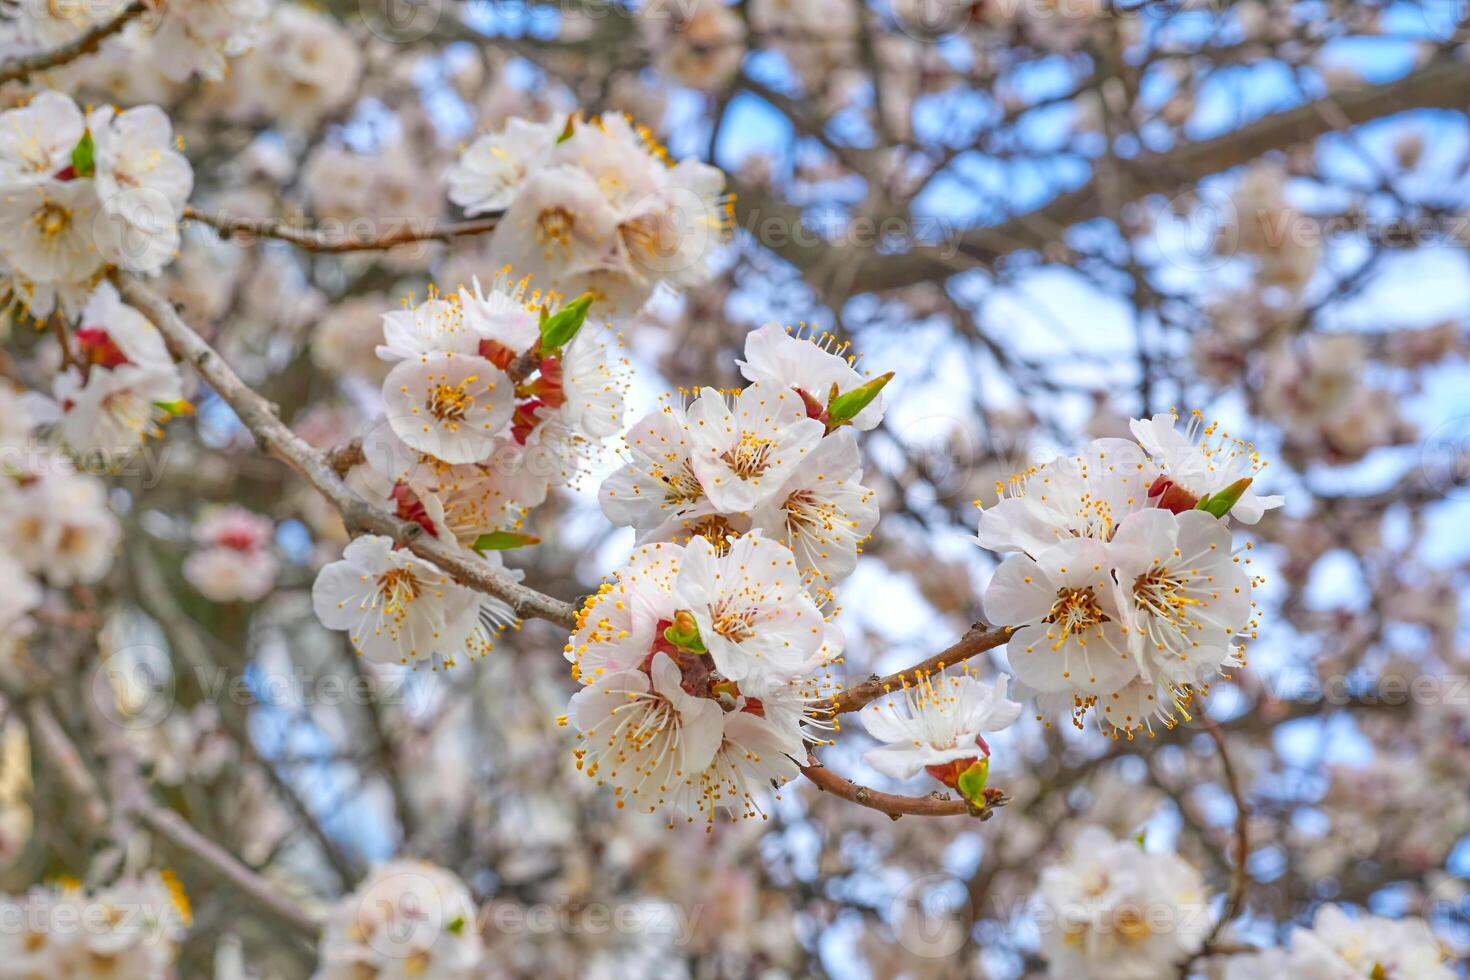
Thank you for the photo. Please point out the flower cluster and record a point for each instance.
(778, 458)
(697, 669)
(1122, 583)
(593, 206)
(79, 193)
(406, 918)
(701, 659)
(130, 929)
(491, 400)
(1114, 911)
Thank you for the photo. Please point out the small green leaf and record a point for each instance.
(1219, 504)
(84, 156)
(971, 782)
(456, 925)
(1138, 837)
(504, 541)
(562, 326)
(844, 408)
(570, 128)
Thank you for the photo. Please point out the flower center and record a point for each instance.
(1161, 592)
(748, 458)
(681, 486)
(451, 403)
(398, 588)
(734, 623)
(555, 225)
(52, 219)
(1075, 611)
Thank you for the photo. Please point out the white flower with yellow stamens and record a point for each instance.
(1200, 461)
(621, 625)
(142, 183)
(435, 326)
(1114, 911)
(936, 721)
(644, 734)
(397, 608)
(743, 449)
(811, 363)
(490, 170)
(606, 214)
(559, 230)
(1081, 496)
(1069, 635)
(114, 410)
(758, 623)
(656, 492)
(452, 406)
(37, 139)
(759, 751)
(46, 231)
(1184, 595)
(822, 512)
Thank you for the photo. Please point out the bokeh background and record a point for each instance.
(1045, 216)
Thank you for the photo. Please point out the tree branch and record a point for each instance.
(259, 416)
(937, 804)
(245, 232)
(21, 67)
(976, 641)
(1440, 85)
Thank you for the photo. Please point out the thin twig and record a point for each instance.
(1235, 898)
(21, 67)
(52, 740)
(893, 804)
(979, 639)
(246, 231)
(178, 831)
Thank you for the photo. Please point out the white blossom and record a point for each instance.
(1115, 911)
(397, 608)
(935, 721)
(405, 919)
